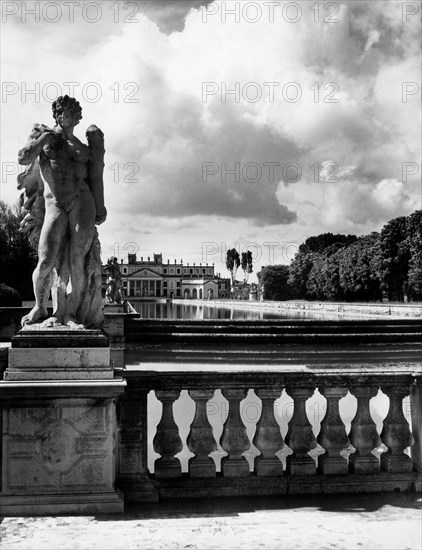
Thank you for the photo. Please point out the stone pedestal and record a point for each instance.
(268, 467)
(114, 327)
(235, 467)
(114, 323)
(114, 308)
(300, 466)
(368, 464)
(59, 354)
(59, 425)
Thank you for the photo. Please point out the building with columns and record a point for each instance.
(153, 278)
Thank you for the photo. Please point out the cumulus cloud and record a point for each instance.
(169, 15)
(356, 203)
(161, 134)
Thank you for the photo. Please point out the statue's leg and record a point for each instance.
(63, 272)
(51, 238)
(59, 288)
(109, 293)
(82, 231)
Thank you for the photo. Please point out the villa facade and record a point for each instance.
(152, 278)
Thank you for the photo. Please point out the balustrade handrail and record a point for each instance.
(185, 376)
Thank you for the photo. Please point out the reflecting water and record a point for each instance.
(153, 310)
(149, 310)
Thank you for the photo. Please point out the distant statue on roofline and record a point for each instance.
(114, 292)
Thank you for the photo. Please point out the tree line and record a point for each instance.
(385, 264)
(17, 258)
(381, 265)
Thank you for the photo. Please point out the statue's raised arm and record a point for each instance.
(64, 199)
(95, 139)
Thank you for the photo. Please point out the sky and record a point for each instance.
(227, 124)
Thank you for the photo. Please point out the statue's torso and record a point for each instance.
(64, 167)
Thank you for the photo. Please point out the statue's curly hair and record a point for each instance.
(66, 102)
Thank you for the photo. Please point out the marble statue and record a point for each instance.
(63, 200)
(114, 292)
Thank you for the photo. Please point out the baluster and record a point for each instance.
(300, 436)
(267, 436)
(234, 438)
(332, 436)
(363, 433)
(396, 433)
(167, 441)
(200, 439)
(416, 412)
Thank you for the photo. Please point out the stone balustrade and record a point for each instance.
(346, 460)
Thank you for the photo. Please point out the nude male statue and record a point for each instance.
(69, 175)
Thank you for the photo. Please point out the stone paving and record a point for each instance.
(386, 521)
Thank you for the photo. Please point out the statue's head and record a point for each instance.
(67, 111)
